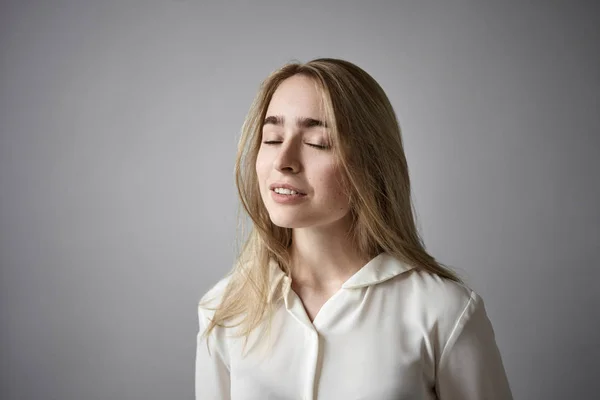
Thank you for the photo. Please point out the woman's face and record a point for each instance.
(295, 150)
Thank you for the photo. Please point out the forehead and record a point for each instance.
(298, 95)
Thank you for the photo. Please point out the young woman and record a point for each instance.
(333, 295)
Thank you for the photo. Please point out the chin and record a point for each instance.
(288, 221)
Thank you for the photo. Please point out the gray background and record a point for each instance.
(119, 122)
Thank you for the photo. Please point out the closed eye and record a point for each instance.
(310, 144)
(318, 146)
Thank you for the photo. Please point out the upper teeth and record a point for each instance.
(284, 191)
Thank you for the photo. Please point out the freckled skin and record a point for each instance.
(294, 161)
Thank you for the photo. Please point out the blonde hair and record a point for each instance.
(367, 142)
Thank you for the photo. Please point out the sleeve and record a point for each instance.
(470, 366)
(212, 369)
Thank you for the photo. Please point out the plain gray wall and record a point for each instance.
(119, 123)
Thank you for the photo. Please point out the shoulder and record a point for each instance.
(214, 294)
(422, 291)
(211, 299)
(445, 307)
(434, 302)
(433, 294)
(440, 296)
(207, 306)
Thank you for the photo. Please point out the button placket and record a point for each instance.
(311, 340)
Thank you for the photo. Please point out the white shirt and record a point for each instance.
(390, 332)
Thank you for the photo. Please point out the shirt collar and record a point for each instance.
(379, 269)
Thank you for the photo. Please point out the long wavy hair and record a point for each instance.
(367, 144)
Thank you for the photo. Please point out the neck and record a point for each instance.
(323, 257)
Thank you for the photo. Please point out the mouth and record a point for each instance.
(289, 198)
(287, 192)
(285, 188)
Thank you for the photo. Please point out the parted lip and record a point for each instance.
(285, 186)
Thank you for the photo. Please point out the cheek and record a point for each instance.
(260, 165)
(260, 175)
(329, 179)
(341, 197)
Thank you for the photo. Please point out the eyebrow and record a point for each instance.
(301, 122)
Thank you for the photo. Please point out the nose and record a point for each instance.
(287, 158)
